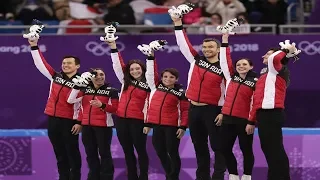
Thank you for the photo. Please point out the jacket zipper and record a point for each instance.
(235, 97)
(201, 86)
(91, 108)
(57, 100)
(161, 107)
(125, 112)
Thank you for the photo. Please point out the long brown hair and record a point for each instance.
(127, 76)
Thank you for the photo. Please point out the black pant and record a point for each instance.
(201, 124)
(230, 134)
(270, 123)
(166, 144)
(66, 147)
(98, 140)
(130, 135)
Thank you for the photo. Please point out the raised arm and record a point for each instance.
(274, 61)
(184, 107)
(112, 105)
(40, 62)
(117, 61)
(75, 95)
(225, 58)
(152, 73)
(183, 42)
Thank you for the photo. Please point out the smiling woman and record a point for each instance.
(235, 111)
(98, 102)
(99, 78)
(132, 111)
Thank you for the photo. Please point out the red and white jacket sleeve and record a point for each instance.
(118, 64)
(274, 61)
(226, 62)
(152, 75)
(74, 96)
(184, 44)
(253, 113)
(112, 105)
(184, 109)
(41, 63)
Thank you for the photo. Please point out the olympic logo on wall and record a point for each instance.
(100, 49)
(310, 48)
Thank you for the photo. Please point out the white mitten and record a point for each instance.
(80, 82)
(31, 36)
(157, 44)
(110, 31)
(34, 30)
(174, 12)
(230, 25)
(145, 49)
(285, 45)
(87, 76)
(185, 8)
(223, 30)
(292, 53)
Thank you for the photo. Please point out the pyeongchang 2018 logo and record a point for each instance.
(310, 48)
(102, 48)
(20, 49)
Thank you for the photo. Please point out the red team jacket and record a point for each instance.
(239, 91)
(60, 87)
(271, 87)
(205, 80)
(167, 106)
(133, 101)
(91, 115)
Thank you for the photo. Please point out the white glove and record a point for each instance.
(293, 51)
(80, 82)
(145, 49)
(185, 8)
(228, 28)
(31, 36)
(157, 44)
(34, 31)
(174, 12)
(109, 38)
(87, 76)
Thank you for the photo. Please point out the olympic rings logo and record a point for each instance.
(310, 48)
(100, 49)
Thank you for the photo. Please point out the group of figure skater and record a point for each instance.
(220, 102)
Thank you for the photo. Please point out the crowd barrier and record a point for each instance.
(28, 155)
(54, 28)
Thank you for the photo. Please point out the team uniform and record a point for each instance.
(62, 116)
(235, 112)
(206, 84)
(268, 112)
(167, 112)
(97, 128)
(132, 111)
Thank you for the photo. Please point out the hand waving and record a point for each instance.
(293, 51)
(157, 44)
